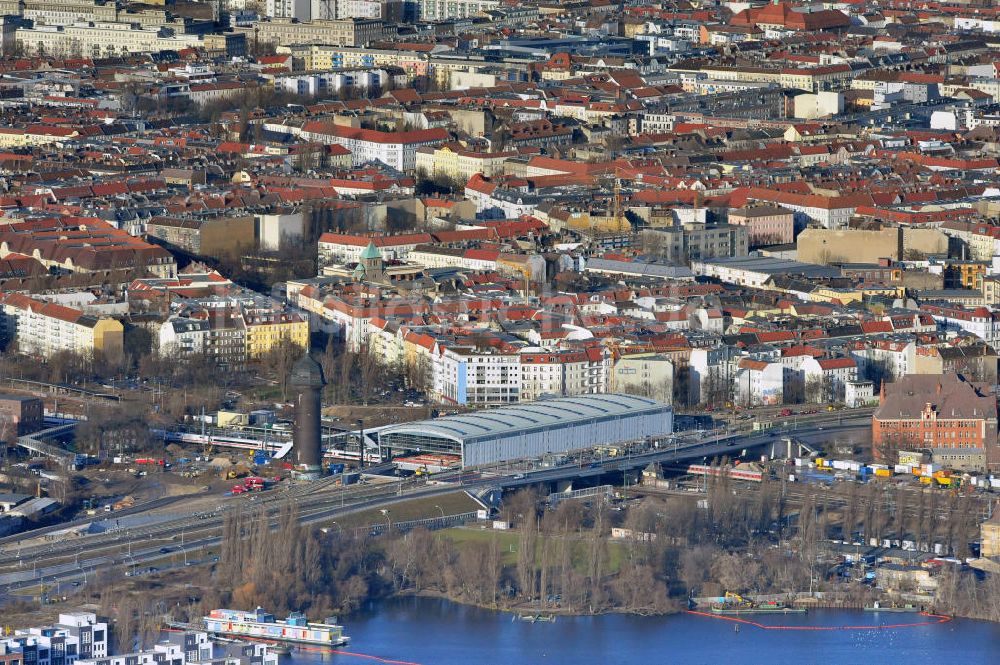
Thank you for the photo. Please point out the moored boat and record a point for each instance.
(262, 625)
(891, 608)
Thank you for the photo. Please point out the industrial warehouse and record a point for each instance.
(533, 429)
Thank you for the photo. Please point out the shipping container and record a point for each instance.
(902, 468)
(883, 473)
(815, 477)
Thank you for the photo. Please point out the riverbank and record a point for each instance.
(533, 608)
(817, 601)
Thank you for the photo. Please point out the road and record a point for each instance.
(75, 559)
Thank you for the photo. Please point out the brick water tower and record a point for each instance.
(307, 382)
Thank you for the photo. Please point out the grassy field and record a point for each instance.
(509, 541)
(416, 509)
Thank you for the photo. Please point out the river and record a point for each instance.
(436, 632)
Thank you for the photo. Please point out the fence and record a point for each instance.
(585, 493)
(431, 523)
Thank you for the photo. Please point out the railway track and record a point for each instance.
(314, 499)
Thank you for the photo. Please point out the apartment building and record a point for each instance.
(395, 149)
(339, 248)
(682, 244)
(766, 225)
(323, 57)
(300, 10)
(710, 375)
(563, 372)
(979, 321)
(446, 10)
(208, 236)
(644, 374)
(182, 336)
(759, 383)
(884, 360)
(20, 415)
(392, 11)
(445, 257)
(336, 32)
(84, 246)
(43, 329)
(101, 40)
(470, 376)
(266, 331)
(192, 648)
(459, 164)
(76, 636)
(826, 379)
(329, 83)
(218, 334)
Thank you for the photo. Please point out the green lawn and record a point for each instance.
(415, 509)
(509, 541)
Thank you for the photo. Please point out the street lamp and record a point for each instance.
(441, 509)
(134, 564)
(385, 511)
(361, 442)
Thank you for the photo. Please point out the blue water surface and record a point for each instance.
(436, 632)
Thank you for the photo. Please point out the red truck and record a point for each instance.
(254, 483)
(785, 413)
(151, 460)
(238, 489)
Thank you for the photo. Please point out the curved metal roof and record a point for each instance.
(509, 420)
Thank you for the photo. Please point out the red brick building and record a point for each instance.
(19, 415)
(940, 414)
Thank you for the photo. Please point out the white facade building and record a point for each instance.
(468, 376)
(77, 636)
(328, 83)
(44, 329)
(759, 383)
(885, 360)
(444, 10)
(826, 378)
(337, 248)
(296, 9)
(395, 149)
(101, 40)
(859, 393)
(182, 336)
